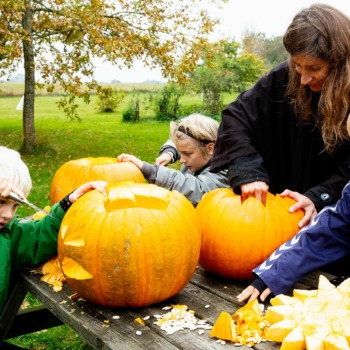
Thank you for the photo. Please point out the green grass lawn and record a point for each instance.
(60, 140)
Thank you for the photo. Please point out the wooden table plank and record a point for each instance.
(206, 294)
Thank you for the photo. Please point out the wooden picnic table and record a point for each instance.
(104, 328)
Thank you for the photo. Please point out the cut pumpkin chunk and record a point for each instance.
(316, 320)
(282, 299)
(278, 331)
(277, 313)
(224, 327)
(294, 340)
(335, 342)
(73, 270)
(303, 294)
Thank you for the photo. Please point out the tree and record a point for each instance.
(57, 40)
(275, 52)
(254, 43)
(271, 50)
(224, 68)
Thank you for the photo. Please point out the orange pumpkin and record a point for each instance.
(238, 237)
(76, 172)
(136, 246)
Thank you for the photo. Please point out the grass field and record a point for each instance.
(61, 140)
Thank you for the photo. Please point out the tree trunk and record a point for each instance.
(29, 138)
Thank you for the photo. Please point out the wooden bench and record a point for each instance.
(15, 322)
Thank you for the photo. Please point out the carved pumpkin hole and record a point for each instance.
(131, 200)
(73, 270)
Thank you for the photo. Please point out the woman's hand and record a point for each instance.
(304, 203)
(164, 159)
(130, 158)
(6, 187)
(257, 189)
(92, 185)
(252, 293)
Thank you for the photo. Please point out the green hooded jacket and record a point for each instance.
(25, 243)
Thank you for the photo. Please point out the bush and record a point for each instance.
(186, 110)
(132, 113)
(167, 103)
(108, 99)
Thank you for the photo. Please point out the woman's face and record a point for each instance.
(313, 71)
(193, 156)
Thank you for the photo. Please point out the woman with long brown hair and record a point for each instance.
(287, 134)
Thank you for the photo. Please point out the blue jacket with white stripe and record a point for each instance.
(325, 240)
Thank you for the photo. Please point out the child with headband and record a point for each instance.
(192, 141)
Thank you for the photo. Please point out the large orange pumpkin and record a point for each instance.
(136, 246)
(238, 237)
(76, 172)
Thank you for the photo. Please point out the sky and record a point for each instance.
(271, 17)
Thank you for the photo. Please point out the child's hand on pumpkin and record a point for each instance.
(98, 185)
(130, 158)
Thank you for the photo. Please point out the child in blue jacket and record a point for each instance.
(323, 242)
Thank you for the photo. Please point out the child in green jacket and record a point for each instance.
(27, 242)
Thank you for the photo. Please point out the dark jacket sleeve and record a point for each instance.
(170, 148)
(325, 240)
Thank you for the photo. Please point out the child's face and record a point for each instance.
(192, 156)
(8, 209)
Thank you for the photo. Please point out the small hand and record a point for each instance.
(130, 158)
(304, 203)
(98, 185)
(257, 189)
(164, 159)
(252, 293)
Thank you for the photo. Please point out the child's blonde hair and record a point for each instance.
(197, 128)
(13, 168)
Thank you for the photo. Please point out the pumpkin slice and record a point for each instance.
(224, 327)
(322, 315)
(344, 287)
(277, 313)
(294, 340)
(282, 299)
(315, 340)
(303, 294)
(335, 342)
(278, 331)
